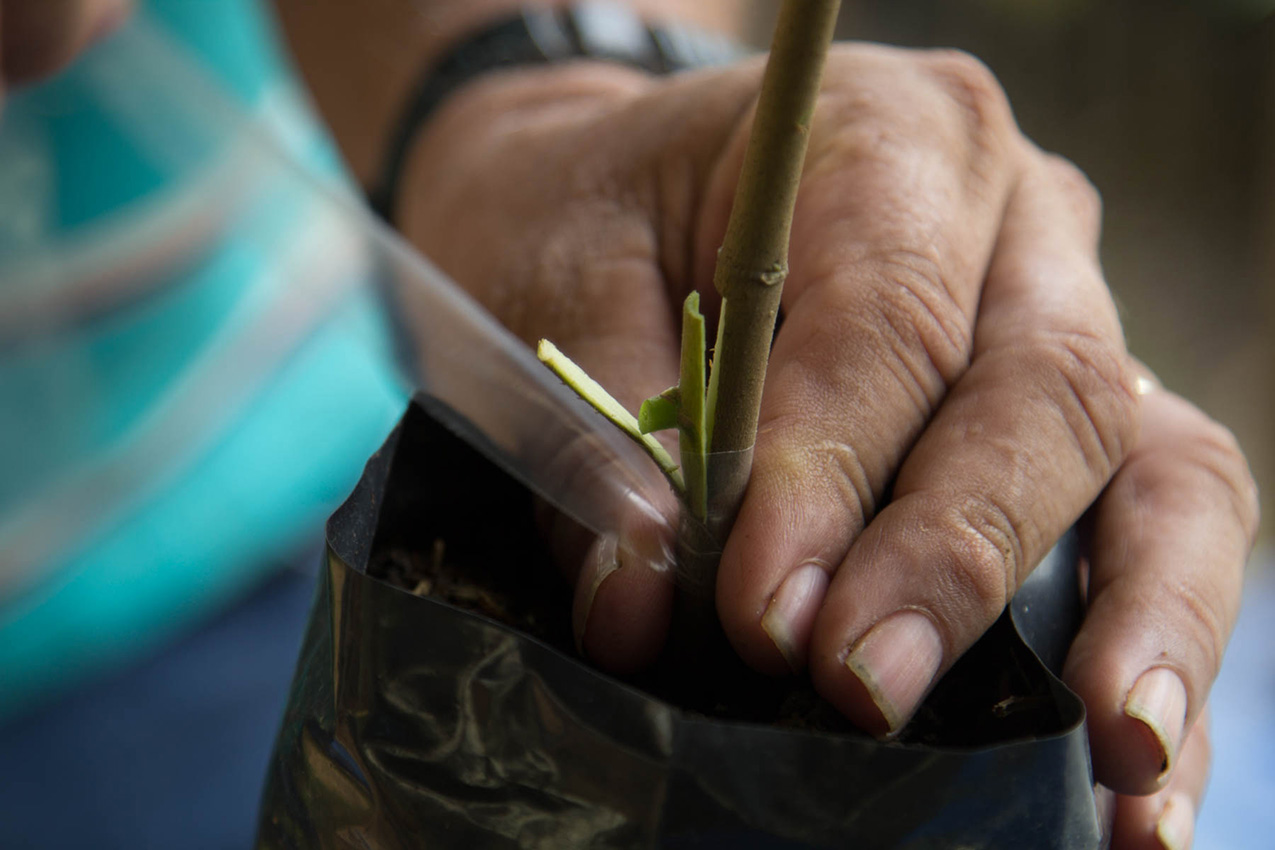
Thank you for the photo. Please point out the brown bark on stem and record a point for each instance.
(753, 260)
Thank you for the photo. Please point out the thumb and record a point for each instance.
(624, 594)
(623, 576)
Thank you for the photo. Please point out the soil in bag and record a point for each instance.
(494, 563)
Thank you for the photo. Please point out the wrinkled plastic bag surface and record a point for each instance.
(412, 723)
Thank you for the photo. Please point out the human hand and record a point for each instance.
(38, 37)
(948, 393)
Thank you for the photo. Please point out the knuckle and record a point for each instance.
(1200, 611)
(1094, 388)
(1075, 185)
(807, 470)
(1219, 454)
(830, 334)
(849, 477)
(986, 562)
(921, 319)
(968, 82)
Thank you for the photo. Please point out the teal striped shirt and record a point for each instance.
(193, 366)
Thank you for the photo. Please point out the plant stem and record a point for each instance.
(603, 402)
(753, 261)
(691, 426)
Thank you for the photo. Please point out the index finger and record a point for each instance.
(1023, 443)
(905, 189)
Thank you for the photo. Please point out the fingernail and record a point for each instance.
(791, 612)
(1176, 826)
(1158, 701)
(896, 662)
(605, 561)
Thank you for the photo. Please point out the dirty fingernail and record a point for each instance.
(896, 662)
(1176, 826)
(791, 612)
(1158, 701)
(603, 560)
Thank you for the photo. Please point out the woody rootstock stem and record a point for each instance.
(753, 261)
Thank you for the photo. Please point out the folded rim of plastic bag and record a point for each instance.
(414, 723)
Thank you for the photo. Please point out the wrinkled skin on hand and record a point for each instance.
(949, 390)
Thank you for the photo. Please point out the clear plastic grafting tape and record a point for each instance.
(699, 544)
(500, 398)
(507, 404)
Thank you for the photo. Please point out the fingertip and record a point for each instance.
(1135, 719)
(790, 615)
(1166, 819)
(599, 563)
(1129, 756)
(777, 567)
(772, 632)
(1158, 702)
(850, 695)
(1175, 828)
(879, 681)
(767, 636)
(622, 607)
(1134, 824)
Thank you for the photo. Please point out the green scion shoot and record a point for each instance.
(603, 402)
(691, 426)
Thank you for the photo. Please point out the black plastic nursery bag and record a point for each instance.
(414, 723)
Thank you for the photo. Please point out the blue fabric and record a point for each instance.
(103, 168)
(235, 38)
(144, 672)
(181, 768)
(1238, 812)
(212, 519)
(115, 369)
(269, 483)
